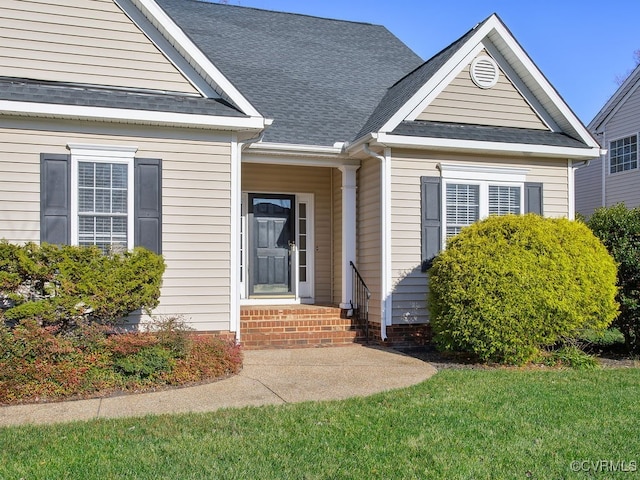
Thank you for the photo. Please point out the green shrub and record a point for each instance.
(619, 230)
(148, 363)
(62, 285)
(569, 356)
(507, 286)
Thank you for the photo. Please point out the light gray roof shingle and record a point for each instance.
(461, 131)
(57, 93)
(319, 79)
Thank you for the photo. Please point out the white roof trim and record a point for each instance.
(436, 89)
(519, 149)
(494, 26)
(178, 38)
(292, 148)
(300, 161)
(617, 98)
(540, 79)
(121, 115)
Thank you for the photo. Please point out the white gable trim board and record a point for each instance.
(186, 47)
(496, 32)
(478, 146)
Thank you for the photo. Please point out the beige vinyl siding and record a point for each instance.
(462, 101)
(369, 252)
(409, 283)
(195, 200)
(623, 187)
(81, 41)
(589, 187)
(336, 186)
(260, 178)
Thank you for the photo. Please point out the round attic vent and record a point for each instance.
(484, 71)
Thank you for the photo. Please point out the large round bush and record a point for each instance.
(507, 286)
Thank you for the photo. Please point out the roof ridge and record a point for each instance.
(226, 5)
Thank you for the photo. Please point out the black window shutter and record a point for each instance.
(533, 198)
(148, 204)
(55, 198)
(431, 219)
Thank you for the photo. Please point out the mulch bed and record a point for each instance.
(449, 360)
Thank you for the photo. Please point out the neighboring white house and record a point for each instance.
(614, 177)
(263, 153)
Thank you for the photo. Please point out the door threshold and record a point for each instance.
(276, 301)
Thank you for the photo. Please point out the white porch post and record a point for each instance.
(348, 231)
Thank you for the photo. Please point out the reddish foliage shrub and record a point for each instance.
(44, 363)
(208, 358)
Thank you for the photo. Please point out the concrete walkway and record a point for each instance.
(269, 377)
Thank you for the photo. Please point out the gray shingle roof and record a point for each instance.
(57, 93)
(462, 131)
(408, 86)
(319, 79)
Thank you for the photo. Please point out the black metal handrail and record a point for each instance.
(360, 301)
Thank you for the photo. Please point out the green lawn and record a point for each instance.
(461, 424)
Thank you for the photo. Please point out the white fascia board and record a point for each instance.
(120, 115)
(453, 64)
(167, 26)
(618, 98)
(295, 149)
(544, 84)
(477, 146)
(300, 161)
(493, 26)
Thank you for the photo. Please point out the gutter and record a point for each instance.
(385, 222)
(236, 200)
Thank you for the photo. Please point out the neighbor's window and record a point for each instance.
(623, 154)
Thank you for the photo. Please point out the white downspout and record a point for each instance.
(235, 250)
(385, 222)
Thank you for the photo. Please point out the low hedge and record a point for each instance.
(507, 286)
(47, 363)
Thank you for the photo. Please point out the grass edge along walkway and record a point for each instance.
(461, 424)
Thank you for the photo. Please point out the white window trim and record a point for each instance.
(622, 172)
(483, 176)
(102, 154)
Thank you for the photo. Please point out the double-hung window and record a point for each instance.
(623, 154)
(464, 194)
(475, 192)
(102, 197)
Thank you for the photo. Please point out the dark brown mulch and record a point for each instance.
(457, 361)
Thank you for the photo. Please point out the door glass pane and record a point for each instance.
(271, 237)
(302, 242)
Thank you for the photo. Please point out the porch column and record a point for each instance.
(348, 231)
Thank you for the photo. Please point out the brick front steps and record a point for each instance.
(295, 326)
